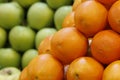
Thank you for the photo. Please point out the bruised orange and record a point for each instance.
(114, 16)
(69, 20)
(68, 44)
(90, 17)
(105, 46)
(112, 71)
(85, 68)
(45, 67)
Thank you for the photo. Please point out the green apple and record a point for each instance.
(9, 57)
(42, 33)
(58, 3)
(39, 15)
(21, 38)
(26, 3)
(3, 37)
(60, 14)
(10, 73)
(11, 14)
(28, 56)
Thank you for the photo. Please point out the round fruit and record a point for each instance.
(85, 68)
(11, 14)
(45, 67)
(105, 46)
(112, 71)
(21, 38)
(9, 57)
(93, 19)
(39, 15)
(68, 44)
(114, 17)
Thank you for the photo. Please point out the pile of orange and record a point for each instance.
(86, 48)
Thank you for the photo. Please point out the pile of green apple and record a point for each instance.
(23, 26)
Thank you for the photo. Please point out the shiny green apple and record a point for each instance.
(21, 38)
(9, 57)
(11, 14)
(39, 15)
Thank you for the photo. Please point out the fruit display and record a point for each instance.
(59, 40)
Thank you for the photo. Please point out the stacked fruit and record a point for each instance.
(85, 47)
(23, 25)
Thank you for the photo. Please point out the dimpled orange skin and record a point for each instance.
(92, 20)
(68, 44)
(85, 68)
(105, 46)
(45, 67)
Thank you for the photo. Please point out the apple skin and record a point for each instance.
(42, 33)
(3, 37)
(9, 57)
(28, 56)
(1, 1)
(55, 4)
(26, 3)
(10, 73)
(60, 14)
(21, 38)
(11, 14)
(40, 15)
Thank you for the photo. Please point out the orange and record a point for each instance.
(105, 46)
(107, 3)
(77, 3)
(68, 44)
(114, 16)
(24, 75)
(44, 46)
(85, 68)
(45, 67)
(90, 17)
(69, 20)
(112, 71)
